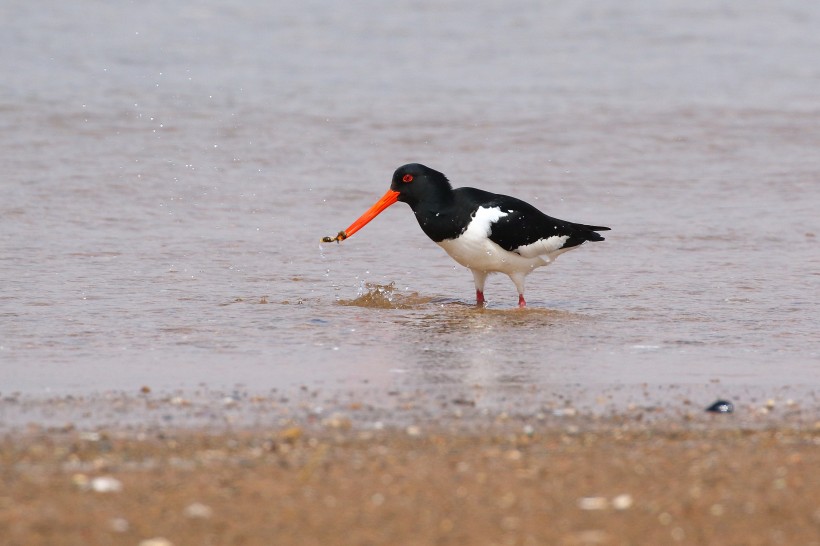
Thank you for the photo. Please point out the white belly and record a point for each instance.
(474, 249)
(484, 255)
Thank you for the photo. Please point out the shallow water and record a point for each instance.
(169, 169)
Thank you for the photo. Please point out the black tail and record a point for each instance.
(585, 233)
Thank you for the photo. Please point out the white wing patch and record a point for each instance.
(543, 247)
(473, 248)
(481, 224)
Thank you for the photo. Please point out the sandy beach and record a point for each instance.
(561, 477)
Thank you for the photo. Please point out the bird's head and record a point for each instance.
(411, 184)
(414, 182)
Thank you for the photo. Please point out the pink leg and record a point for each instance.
(479, 297)
(521, 302)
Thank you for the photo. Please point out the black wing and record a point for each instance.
(525, 224)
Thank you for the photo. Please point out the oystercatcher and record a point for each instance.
(485, 232)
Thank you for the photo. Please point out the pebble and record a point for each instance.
(622, 502)
(721, 406)
(156, 541)
(197, 510)
(591, 536)
(291, 434)
(119, 525)
(593, 503)
(413, 430)
(338, 421)
(377, 499)
(513, 455)
(105, 484)
(80, 480)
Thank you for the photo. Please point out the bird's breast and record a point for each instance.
(442, 224)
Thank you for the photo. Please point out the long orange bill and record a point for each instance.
(387, 199)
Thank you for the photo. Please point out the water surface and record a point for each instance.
(169, 169)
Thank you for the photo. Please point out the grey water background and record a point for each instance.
(168, 169)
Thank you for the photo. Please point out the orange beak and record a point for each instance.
(387, 199)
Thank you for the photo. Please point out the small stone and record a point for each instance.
(156, 541)
(145, 389)
(106, 484)
(80, 480)
(413, 430)
(197, 510)
(119, 525)
(338, 421)
(721, 406)
(513, 455)
(591, 536)
(593, 503)
(291, 434)
(622, 502)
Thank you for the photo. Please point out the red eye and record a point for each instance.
(407, 178)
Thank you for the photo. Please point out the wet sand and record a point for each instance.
(560, 476)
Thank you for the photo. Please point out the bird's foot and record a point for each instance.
(521, 302)
(479, 298)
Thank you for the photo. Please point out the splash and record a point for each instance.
(385, 296)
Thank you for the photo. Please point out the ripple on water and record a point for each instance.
(385, 296)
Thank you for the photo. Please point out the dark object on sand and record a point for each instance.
(721, 406)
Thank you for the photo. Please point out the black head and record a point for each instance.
(416, 182)
(420, 187)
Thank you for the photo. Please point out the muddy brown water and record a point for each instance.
(168, 174)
